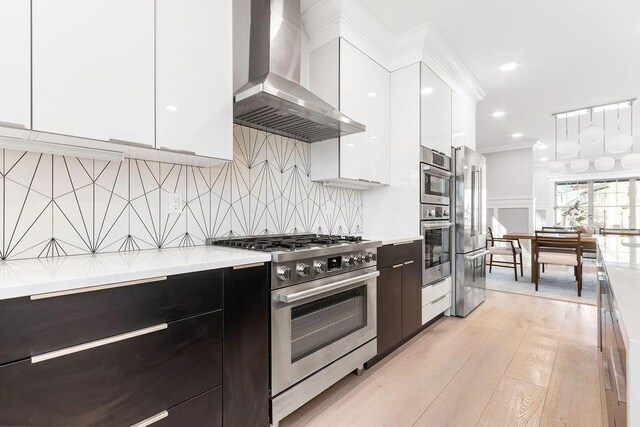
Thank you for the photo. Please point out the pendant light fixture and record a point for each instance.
(579, 165)
(631, 160)
(556, 166)
(592, 133)
(568, 148)
(604, 162)
(620, 142)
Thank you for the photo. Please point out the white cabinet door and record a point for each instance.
(15, 63)
(463, 121)
(194, 71)
(435, 98)
(354, 102)
(93, 68)
(364, 96)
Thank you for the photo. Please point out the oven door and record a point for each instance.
(437, 251)
(316, 323)
(434, 185)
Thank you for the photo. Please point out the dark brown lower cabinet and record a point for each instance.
(389, 308)
(411, 297)
(204, 410)
(120, 383)
(399, 296)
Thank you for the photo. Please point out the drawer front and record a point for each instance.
(38, 326)
(204, 410)
(119, 383)
(433, 292)
(399, 253)
(433, 309)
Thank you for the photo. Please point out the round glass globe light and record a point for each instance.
(631, 161)
(619, 143)
(579, 165)
(604, 163)
(591, 134)
(568, 148)
(556, 166)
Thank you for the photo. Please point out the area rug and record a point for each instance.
(557, 282)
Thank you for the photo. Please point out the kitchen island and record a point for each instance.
(619, 326)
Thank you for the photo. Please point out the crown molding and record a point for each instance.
(349, 19)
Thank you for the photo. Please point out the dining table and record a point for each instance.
(588, 244)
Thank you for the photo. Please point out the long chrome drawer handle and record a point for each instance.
(242, 267)
(13, 125)
(408, 262)
(98, 343)
(152, 420)
(326, 288)
(607, 374)
(97, 288)
(396, 266)
(440, 299)
(618, 379)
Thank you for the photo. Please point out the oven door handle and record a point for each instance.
(436, 225)
(289, 298)
(436, 171)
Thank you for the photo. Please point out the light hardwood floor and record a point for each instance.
(516, 360)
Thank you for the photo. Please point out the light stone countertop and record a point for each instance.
(391, 238)
(19, 278)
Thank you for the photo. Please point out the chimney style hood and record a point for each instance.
(273, 100)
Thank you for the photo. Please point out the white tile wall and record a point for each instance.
(59, 205)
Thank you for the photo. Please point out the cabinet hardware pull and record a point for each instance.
(288, 298)
(97, 343)
(178, 151)
(242, 267)
(151, 420)
(436, 171)
(408, 262)
(12, 125)
(97, 288)
(397, 265)
(607, 374)
(439, 299)
(129, 143)
(618, 379)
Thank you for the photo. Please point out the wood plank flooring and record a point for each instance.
(515, 360)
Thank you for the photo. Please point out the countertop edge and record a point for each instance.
(391, 240)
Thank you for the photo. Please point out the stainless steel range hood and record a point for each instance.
(273, 100)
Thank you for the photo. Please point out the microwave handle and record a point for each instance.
(436, 171)
(289, 298)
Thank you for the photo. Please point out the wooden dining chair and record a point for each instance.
(559, 248)
(505, 247)
(620, 231)
(554, 229)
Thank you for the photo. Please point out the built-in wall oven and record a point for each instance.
(436, 231)
(435, 177)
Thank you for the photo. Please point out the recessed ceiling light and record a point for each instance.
(372, 94)
(516, 135)
(508, 66)
(171, 108)
(426, 90)
(498, 113)
(544, 159)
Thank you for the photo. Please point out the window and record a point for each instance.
(601, 203)
(572, 204)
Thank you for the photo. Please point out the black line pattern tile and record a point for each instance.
(60, 205)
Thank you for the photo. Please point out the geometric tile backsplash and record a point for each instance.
(60, 205)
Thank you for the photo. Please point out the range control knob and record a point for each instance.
(372, 256)
(359, 259)
(320, 266)
(431, 212)
(303, 269)
(367, 257)
(283, 273)
(348, 260)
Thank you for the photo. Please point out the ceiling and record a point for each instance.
(570, 54)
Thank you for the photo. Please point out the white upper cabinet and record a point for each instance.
(463, 122)
(93, 68)
(348, 79)
(15, 63)
(435, 100)
(194, 72)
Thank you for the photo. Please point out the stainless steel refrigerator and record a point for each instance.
(469, 199)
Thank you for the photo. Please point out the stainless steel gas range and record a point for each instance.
(323, 312)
